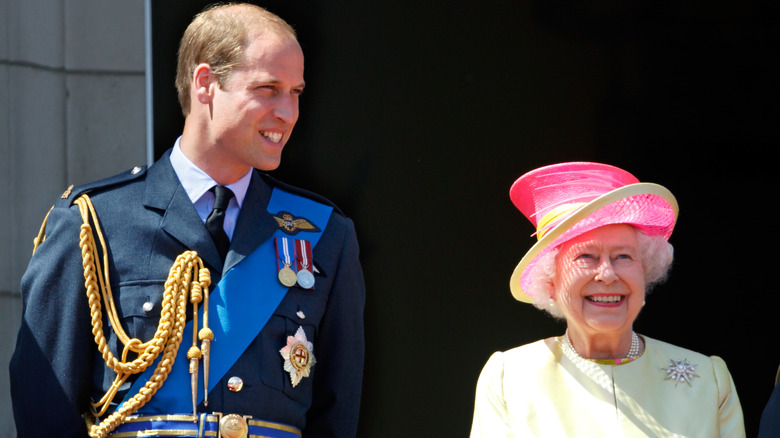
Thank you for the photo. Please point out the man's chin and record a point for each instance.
(267, 165)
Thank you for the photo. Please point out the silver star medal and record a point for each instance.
(298, 356)
(680, 370)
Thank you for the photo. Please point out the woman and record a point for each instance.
(602, 243)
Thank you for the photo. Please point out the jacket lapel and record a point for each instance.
(180, 220)
(254, 225)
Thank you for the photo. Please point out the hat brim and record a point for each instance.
(583, 212)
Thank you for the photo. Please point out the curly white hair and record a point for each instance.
(656, 255)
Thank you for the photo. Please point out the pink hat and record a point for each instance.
(568, 199)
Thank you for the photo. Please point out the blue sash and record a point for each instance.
(242, 302)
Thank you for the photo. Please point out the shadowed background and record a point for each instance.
(418, 116)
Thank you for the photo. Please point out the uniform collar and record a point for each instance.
(197, 182)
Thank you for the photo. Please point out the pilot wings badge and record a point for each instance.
(292, 225)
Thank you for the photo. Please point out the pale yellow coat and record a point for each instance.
(545, 390)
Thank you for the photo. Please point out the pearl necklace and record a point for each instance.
(633, 352)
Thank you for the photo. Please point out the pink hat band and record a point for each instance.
(568, 199)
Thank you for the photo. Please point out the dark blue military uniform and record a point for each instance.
(770, 417)
(148, 220)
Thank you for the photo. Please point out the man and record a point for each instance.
(770, 417)
(287, 350)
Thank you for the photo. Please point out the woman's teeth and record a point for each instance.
(606, 298)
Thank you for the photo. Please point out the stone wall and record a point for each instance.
(72, 109)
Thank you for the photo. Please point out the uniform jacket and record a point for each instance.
(770, 417)
(543, 389)
(148, 220)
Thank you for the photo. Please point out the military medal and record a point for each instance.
(305, 279)
(298, 356)
(284, 260)
(287, 276)
(305, 276)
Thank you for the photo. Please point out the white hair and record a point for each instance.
(656, 255)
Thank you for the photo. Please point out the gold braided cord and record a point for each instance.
(41, 232)
(188, 281)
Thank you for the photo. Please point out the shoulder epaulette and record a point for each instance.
(74, 192)
(299, 191)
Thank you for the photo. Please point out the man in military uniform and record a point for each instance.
(275, 348)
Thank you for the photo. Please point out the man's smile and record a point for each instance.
(275, 137)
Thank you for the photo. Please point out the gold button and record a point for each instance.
(235, 384)
(233, 426)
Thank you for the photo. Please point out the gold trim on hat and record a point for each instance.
(586, 210)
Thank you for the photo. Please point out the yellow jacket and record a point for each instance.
(543, 389)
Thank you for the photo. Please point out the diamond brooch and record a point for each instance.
(680, 370)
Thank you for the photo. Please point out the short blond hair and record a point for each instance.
(218, 36)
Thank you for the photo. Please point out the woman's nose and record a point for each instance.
(606, 272)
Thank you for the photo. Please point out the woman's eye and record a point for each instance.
(585, 258)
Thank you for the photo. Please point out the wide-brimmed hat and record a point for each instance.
(568, 199)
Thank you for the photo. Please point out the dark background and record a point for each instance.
(418, 116)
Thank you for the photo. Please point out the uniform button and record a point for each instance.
(235, 384)
(301, 314)
(135, 170)
(148, 306)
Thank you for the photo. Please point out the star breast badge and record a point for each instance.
(292, 225)
(298, 356)
(680, 370)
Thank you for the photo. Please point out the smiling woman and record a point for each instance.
(600, 289)
(654, 252)
(602, 242)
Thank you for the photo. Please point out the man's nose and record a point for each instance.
(287, 109)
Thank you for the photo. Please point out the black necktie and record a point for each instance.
(215, 221)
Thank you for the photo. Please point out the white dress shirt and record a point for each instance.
(197, 184)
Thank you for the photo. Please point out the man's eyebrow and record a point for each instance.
(257, 83)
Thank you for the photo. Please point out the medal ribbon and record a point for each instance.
(303, 255)
(283, 246)
(243, 301)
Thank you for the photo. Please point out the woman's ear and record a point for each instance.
(549, 286)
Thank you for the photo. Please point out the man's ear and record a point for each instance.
(204, 82)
